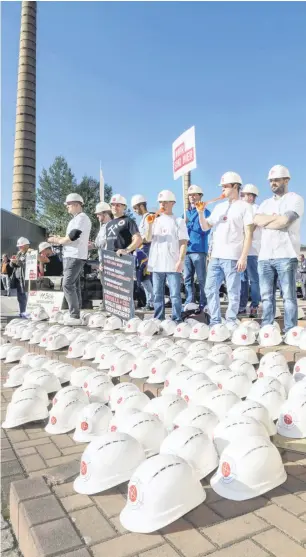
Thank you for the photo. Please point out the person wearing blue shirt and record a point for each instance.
(197, 248)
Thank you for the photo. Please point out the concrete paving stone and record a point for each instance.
(288, 501)
(111, 502)
(5, 444)
(7, 540)
(17, 435)
(6, 486)
(92, 526)
(4, 523)
(61, 460)
(127, 545)
(235, 529)
(55, 536)
(33, 462)
(64, 490)
(297, 486)
(26, 451)
(278, 544)
(186, 539)
(162, 551)
(281, 519)
(115, 522)
(76, 553)
(63, 473)
(241, 549)
(31, 443)
(41, 509)
(11, 468)
(28, 489)
(202, 516)
(7, 455)
(77, 501)
(40, 434)
(77, 449)
(231, 509)
(48, 451)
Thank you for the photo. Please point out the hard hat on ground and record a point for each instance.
(197, 416)
(29, 408)
(30, 390)
(244, 367)
(253, 409)
(98, 387)
(230, 178)
(219, 333)
(147, 429)
(220, 402)
(107, 355)
(136, 199)
(182, 330)
(102, 207)
(272, 358)
(16, 375)
(28, 357)
(298, 390)
(148, 327)
(73, 198)
(96, 321)
(269, 336)
(121, 365)
(292, 419)
(196, 390)
(236, 381)
(166, 195)
(132, 325)
(278, 171)
(61, 370)
(243, 336)
(236, 427)
(133, 399)
(90, 350)
(166, 408)
(113, 323)
(250, 188)
(14, 354)
(245, 354)
(142, 365)
(43, 378)
(39, 314)
(222, 359)
(76, 348)
(176, 353)
(70, 393)
(168, 327)
(117, 198)
(63, 416)
(292, 337)
(79, 374)
(92, 421)
(163, 343)
(199, 332)
(38, 361)
(269, 397)
(38, 335)
(118, 393)
(57, 342)
(119, 418)
(160, 370)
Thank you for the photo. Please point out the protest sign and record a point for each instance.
(51, 301)
(118, 284)
(31, 265)
(184, 153)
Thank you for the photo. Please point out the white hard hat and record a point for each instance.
(134, 399)
(283, 376)
(144, 363)
(38, 334)
(76, 348)
(197, 416)
(182, 330)
(105, 345)
(79, 374)
(271, 398)
(163, 343)
(176, 353)
(148, 327)
(201, 350)
(54, 316)
(237, 382)
(117, 198)
(199, 332)
(61, 370)
(230, 178)
(299, 370)
(232, 325)
(135, 349)
(113, 323)
(132, 325)
(243, 336)
(122, 364)
(269, 336)
(183, 343)
(63, 416)
(18, 331)
(272, 358)
(302, 341)
(216, 370)
(30, 408)
(220, 402)
(84, 317)
(245, 354)
(57, 342)
(254, 325)
(166, 195)
(118, 393)
(15, 375)
(272, 382)
(298, 390)
(101, 207)
(14, 354)
(136, 199)
(237, 427)
(119, 418)
(43, 245)
(218, 349)
(166, 408)
(293, 336)
(55, 329)
(195, 447)
(90, 350)
(38, 361)
(107, 354)
(97, 320)
(43, 378)
(223, 359)
(278, 171)
(72, 197)
(196, 390)
(44, 339)
(173, 379)
(219, 333)
(244, 367)
(160, 370)
(22, 241)
(194, 189)
(255, 410)
(92, 421)
(70, 393)
(147, 429)
(162, 489)
(108, 461)
(168, 327)
(27, 358)
(147, 341)
(250, 188)
(39, 314)
(292, 419)
(27, 332)
(249, 469)
(98, 386)
(30, 390)
(197, 363)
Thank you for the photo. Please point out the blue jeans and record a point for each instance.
(174, 283)
(148, 288)
(285, 271)
(21, 296)
(218, 271)
(250, 275)
(195, 263)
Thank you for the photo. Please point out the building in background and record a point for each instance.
(13, 226)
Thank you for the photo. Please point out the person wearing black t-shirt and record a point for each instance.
(122, 234)
(49, 263)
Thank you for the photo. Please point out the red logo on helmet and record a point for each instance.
(179, 392)
(213, 332)
(83, 468)
(134, 366)
(53, 420)
(166, 383)
(102, 356)
(288, 419)
(44, 339)
(54, 401)
(176, 427)
(226, 469)
(84, 426)
(195, 330)
(297, 368)
(119, 400)
(113, 368)
(153, 370)
(186, 397)
(85, 385)
(294, 333)
(266, 335)
(224, 218)
(133, 493)
(129, 326)
(70, 349)
(220, 386)
(113, 428)
(178, 329)
(88, 393)
(260, 374)
(243, 337)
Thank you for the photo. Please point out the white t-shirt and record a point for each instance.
(229, 221)
(100, 241)
(255, 247)
(79, 248)
(165, 249)
(143, 225)
(279, 244)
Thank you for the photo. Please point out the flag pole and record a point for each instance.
(101, 184)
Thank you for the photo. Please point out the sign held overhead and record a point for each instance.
(184, 153)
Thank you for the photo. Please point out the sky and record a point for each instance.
(120, 81)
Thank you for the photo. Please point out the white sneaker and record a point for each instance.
(73, 321)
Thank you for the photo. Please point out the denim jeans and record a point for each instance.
(72, 269)
(285, 271)
(195, 263)
(6, 283)
(21, 295)
(148, 288)
(174, 283)
(218, 271)
(250, 275)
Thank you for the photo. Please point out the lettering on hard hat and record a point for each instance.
(84, 426)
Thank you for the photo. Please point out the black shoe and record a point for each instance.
(149, 308)
(242, 312)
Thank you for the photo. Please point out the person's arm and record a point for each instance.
(205, 225)
(180, 263)
(64, 240)
(135, 243)
(242, 261)
(283, 221)
(262, 221)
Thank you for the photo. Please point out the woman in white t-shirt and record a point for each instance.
(169, 237)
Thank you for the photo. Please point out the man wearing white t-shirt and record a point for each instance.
(232, 221)
(75, 253)
(250, 275)
(279, 219)
(168, 236)
(139, 204)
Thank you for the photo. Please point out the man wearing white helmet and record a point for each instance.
(279, 219)
(169, 238)
(104, 215)
(122, 234)
(139, 204)
(250, 275)
(232, 237)
(197, 248)
(75, 252)
(49, 263)
(18, 262)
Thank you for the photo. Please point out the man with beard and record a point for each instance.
(279, 219)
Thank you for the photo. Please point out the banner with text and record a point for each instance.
(31, 265)
(118, 284)
(184, 153)
(51, 301)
